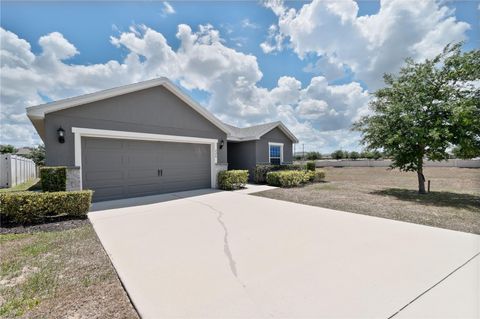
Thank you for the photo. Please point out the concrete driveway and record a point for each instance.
(207, 254)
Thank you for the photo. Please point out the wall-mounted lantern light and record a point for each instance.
(221, 144)
(61, 135)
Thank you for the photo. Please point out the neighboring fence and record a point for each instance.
(386, 163)
(16, 170)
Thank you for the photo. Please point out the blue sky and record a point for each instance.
(242, 26)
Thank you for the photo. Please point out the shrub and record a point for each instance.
(261, 170)
(260, 173)
(32, 207)
(318, 176)
(289, 178)
(54, 179)
(310, 166)
(234, 179)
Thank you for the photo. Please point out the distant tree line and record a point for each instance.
(354, 155)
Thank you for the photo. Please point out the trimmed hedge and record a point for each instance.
(319, 176)
(234, 179)
(260, 172)
(311, 166)
(54, 178)
(289, 178)
(34, 207)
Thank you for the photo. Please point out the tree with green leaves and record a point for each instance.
(354, 155)
(38, 155)
(7, 149)
(338, 154)
(311, 156)
(427, 108)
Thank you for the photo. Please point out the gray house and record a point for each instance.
(149, 138)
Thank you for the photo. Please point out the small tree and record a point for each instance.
(338, 154)
(311, 156)
(7, 149)
(366, 154)
(354, 155)
(38, 155)
(376, 154)
(425, 109)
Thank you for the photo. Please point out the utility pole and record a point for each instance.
(303, 152)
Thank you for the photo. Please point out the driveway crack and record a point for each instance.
(226, 245)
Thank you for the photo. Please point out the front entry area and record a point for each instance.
(120, 168)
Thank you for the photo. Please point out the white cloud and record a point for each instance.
(202, 61)
(167, 9)
(369, 45)
(274, 41)
(246, 23)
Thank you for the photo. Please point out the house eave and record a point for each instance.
(38, 112)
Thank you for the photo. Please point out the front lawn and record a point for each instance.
(59, 273)
(454, 202)
(33, 184)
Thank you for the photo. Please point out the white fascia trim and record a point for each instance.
(39, 111)
(281, 150)
(80, 132)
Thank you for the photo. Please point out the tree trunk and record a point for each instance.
(421, 181)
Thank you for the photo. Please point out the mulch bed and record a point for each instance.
(56, 225)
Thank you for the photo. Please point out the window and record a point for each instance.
(275, 153)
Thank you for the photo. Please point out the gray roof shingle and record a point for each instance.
(254, 132)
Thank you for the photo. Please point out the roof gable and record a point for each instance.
(257, 131)
(37, 113)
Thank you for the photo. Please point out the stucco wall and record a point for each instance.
(242, 156)
(275, 136)
(155, 110)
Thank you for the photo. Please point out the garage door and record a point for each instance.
(127, 168)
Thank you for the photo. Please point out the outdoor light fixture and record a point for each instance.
(221, 144)
(61, 135)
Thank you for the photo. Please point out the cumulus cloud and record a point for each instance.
(369, 45)
(316, 113)
(274, 41)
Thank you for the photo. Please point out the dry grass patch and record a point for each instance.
(59, 274)
(453, 203)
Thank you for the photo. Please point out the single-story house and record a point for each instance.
(148, 138)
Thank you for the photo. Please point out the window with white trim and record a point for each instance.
(275, 153)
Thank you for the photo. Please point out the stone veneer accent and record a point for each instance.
(74, 182)
(218, 168)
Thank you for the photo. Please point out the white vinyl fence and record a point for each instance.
(15, 170)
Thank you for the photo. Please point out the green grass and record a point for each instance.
(54, 273)
(32, 184)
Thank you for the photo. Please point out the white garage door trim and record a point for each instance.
(80, 132)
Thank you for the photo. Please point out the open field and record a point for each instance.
(59, 274)
(453, 203)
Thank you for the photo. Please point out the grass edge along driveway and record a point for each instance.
(58, 274)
